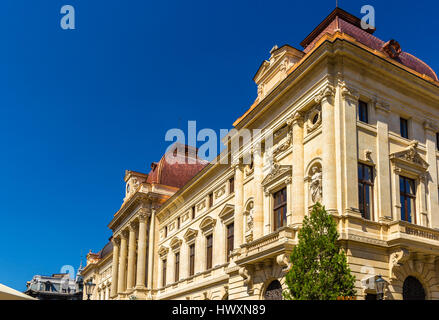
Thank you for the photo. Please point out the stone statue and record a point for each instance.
(316, 184)
(250, 217)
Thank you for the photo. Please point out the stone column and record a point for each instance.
(151, 265)
(131, 256)
(121, 285)
(383, 164)
(350, 149)
(258, 219)
(141, 252)
(433, 208)
(238, 215)
(114, 266)
(298, 186)
(329, 166)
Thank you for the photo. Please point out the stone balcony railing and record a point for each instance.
(407, 231)
(280, 241)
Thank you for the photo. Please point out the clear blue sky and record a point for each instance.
(78, 107)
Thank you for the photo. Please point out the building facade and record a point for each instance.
(350, 121)
(55, 287)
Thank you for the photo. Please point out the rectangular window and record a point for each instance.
(209, 247)
(178, 223)
(166, 231)
(232, 185)
(191, 259)
(363, 115)
(177, 266)
(365, 190)
(408, 199)
(404, 125)
(437, 140)
(164, 273)
(210, 200)
(280, 208)
(230, 239)
(193, 212)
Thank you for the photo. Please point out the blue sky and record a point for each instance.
(79, 107)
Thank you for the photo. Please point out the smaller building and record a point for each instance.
(59, 286)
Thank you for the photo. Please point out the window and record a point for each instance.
(166, 231)
(280, 208)
(209, 247)
(193, 212)
(177, 267)
(164, 272)
(178, 223)
(210, 200)
(232, 185)
(404, 128)
(363, 115)
(437, 141)
(191, 259)
(408, 199)
(365, 190)
(230, 239)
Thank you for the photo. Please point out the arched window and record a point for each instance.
(273, 291)
(413, 289)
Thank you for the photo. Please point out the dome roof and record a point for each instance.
(175, 169)
(342, 21)
(106, 250)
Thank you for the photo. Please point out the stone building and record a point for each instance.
(355, 122)
(59, 286)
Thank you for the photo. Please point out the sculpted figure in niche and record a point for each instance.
(250, 217)
(316, 184)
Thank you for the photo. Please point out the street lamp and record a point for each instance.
(379, 285)
(89, 287)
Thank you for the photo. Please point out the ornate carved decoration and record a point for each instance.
(429, 126)
(397, 259)
(392, 48)
(410, 156)
(201, 205)
(277, 171)
(227, 212)
(163, 251)
(175, 243)
(283, 261)
(349, 93)
(368, 155)
(207, 224)
(313, 119)
(246, 274)
(288, 141)
(220, 192)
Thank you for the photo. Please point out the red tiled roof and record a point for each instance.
(176, 173)
(340, 20)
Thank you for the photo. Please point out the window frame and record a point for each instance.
(231, 185)
(209, 251)
(406, 196)
(405, 121)
(278, 206)
(191, 259)
(363, 110)
(164, 267)
(230, 239)
(366, 183)
(177, 267)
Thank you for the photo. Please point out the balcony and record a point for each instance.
(402, 231)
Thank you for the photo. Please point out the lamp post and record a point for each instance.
(379, 285)
(89, 287)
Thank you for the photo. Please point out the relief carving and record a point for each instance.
(315, 185)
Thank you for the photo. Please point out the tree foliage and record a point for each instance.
(319, 266)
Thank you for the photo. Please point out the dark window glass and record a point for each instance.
(178, 223)
(363, 115)
(365, 190)
(191, 259)
(408, 199)
(193, 212)
(437, 141)
(210, 200)
(166, 231)
(404, 128)
(280, 208)
(232, 185)
(230, 239)
(164, 272)
(209, 247)
(177, 266)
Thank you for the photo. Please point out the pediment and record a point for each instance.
(207, 223)
(175, 243)
(163, 251)
(410, 157)
(190, 234)
(227, 212)
(278, 171)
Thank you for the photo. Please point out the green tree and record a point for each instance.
(319, 268)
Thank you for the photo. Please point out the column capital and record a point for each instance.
(429, 127)
(327, 93)
(133, 226)
(297, 119)
(349, 93)
(124, 234)
(116, 241)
